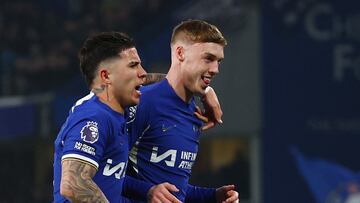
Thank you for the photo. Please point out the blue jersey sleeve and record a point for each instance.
(196, 194)
(85, 140)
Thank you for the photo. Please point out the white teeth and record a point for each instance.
(138, 87)
(207, 79)
(137, 91)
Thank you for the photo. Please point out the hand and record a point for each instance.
(162, 193)
(213, 112)
(227, 194)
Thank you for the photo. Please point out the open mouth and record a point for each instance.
(137, 88)
(206, 79)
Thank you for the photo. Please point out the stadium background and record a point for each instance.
(289, 88)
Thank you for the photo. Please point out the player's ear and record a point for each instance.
(104, 76)
(179, 51)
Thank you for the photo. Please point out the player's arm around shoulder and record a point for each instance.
(77, 184)
(151, 78)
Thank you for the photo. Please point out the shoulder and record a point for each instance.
(91, 112)
(152, 93)
(89, 106)
(89, 115)
(86, 125)
(150, 89)
(148, 101)
(149, 94)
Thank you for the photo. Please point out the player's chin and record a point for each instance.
(198, 88)
(199, 92)
(201, 89)
(135, 99)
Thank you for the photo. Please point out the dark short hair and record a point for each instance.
(197, 31)
(100, 47)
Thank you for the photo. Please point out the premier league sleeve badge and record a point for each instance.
(90, 133)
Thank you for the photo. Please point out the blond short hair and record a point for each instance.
(197, 31)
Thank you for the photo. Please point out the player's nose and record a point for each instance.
(214, 69)
(141, 73)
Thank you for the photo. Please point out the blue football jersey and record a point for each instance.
(94, 133)
(165, 134)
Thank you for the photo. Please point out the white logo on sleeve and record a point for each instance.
(187, 159)
(90, 133)
(156, 159)
(118, 169)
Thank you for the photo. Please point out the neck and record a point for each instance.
(107, 98)
(176, 81)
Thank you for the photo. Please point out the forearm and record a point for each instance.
(154, 77)
(136, 189)
(77, 184)
(196, 194)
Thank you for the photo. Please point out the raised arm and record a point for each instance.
(77, 184)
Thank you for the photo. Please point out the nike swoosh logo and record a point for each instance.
(195, 128)
(164, 129)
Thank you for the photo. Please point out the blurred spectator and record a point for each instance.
(40, 39)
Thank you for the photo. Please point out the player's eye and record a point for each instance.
(133, 64)
(208, 59)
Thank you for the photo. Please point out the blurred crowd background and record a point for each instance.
(289, 88)
(40, 39)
